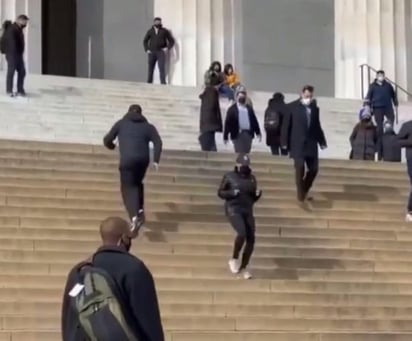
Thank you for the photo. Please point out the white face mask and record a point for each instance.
(381, 79)
(306, 101)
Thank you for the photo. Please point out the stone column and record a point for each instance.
(9, 10)
(369, 32)
(201, 33)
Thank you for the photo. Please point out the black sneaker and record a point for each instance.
(22, 94)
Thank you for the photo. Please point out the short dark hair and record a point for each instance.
(309, 88)
(380, 72)
(23, 17)
(157, 19)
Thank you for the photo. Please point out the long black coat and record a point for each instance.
(231, 128)
(363, 140)
(392, 151)
(210, 114)
(302, 139)
(279, 106)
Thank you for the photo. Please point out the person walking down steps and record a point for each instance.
(239, 190)
(134, 134)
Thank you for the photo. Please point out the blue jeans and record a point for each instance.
(409, 167)
(227, 92)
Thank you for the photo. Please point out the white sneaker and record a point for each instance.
(234, 266)
(247, 275)
(408, 218)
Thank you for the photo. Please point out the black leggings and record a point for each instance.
(244, 225)
(132, 187)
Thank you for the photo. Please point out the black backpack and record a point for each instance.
(272, 120)
(3, 43)
(97, 303)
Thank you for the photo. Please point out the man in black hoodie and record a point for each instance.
(134, 133)
(274, 114)
(135, 285)
(13, 46)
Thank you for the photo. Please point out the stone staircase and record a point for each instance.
(61, 109)
(338, 269)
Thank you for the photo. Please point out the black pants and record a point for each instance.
(305, 177)
(244, 225)
(277, 150)
(160, 58)
(243, 142)
(15, 64)
(409, 166)
(207, 141)
(380, 115)
(132, 188)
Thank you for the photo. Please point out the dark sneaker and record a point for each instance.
(22, 94)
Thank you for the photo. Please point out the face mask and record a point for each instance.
(245, 170)
(242, 100)
(158, 25)
(306, 101)
(380, 79)
(23, 26)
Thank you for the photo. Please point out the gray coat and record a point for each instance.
(364, 141)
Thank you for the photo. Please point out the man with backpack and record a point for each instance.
(112, 295)
(12, 44)
(274, 114)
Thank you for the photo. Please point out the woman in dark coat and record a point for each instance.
(364, 139)
(210, 118)
(274, 115)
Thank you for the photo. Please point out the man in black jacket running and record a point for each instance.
(239, 190)
(134, 133)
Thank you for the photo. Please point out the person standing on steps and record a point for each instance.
(240, 192)
(13, 45)
(382, 98)
(210, 118)
(134, 134)
(241, 124)
(405, 141)
(301, 134)
(276, 110)
(157, 43)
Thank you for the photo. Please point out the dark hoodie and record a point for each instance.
(275, 104)
(134, 133)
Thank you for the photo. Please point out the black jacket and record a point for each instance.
(279, 106)
(381, 96)
(363, 141)
(231, 128)
(405, 138)
(210, 115)
(302, 139)
(14, 41)
(392, 151)
(242, 202)
(134, 134)
(155, 42)
(137, 288)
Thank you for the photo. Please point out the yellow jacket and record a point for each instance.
(232, 80)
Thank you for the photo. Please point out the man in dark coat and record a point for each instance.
(14, 46)
(392, 151)
(364, 138)
(134, 282)
(210, 118)
(157, 42)
(382, 97)
(134, 133)
(405, 141)
(274, 114)
(241, 125)
(301, 134)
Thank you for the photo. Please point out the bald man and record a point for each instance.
(134, 282)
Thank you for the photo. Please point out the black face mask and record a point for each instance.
(242, 100)
(245, 170)
(158, 25)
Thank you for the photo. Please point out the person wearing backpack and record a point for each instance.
(111, 296)
(392, 151)
(13, 46)
(274, 114)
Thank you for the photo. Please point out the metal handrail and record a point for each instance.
(394, 84)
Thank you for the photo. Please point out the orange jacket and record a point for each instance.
(232, 80)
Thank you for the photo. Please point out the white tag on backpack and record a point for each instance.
(76, 290)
